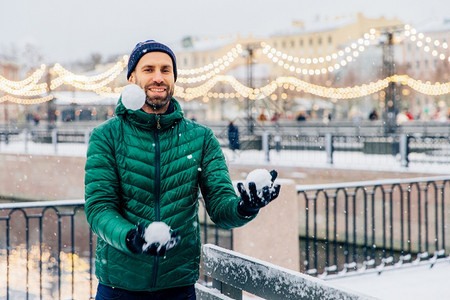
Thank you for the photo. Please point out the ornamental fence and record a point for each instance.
(364, 225)
(47, 250)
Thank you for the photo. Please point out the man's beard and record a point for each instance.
(157, 103)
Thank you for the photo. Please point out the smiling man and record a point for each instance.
(144, 171)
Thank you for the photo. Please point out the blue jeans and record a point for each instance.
(180, 293)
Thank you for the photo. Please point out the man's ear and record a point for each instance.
(131, 79)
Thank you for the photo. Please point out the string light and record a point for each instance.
(426, 43)
(326, 92)
(341, 57)
(30, 87)
(86, 100)
(25, 101)
(88, 83)
(268, 90)
(27, 87)
(212, 69)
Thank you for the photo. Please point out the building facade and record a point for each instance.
(316, 53)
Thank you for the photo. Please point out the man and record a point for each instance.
(233, 136)
(147, 166)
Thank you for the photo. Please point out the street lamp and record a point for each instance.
(391, 105)
(249, 54)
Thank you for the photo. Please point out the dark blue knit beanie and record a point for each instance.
(145, 47)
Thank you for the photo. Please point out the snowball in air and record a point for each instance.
(261, 178)
(156, 232)
(133, 97)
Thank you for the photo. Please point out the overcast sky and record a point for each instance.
(65, 30)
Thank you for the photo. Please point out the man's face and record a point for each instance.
(154, 74)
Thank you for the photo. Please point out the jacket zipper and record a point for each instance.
(157, 190)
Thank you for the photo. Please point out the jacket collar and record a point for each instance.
(150, 121)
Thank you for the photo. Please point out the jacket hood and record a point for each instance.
(150, 121)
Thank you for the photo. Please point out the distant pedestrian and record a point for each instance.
(36, 118)
(373, 115)
(233, 136)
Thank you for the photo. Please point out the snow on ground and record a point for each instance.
(415, 281)
(290, 158)
(341, 160)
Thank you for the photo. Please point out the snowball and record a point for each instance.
(133, 97)
(156, 232)
(261, 178)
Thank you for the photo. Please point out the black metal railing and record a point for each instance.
(350, 226)
(337, 147)
(47, 249)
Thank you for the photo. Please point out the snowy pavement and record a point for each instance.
(289, 158)
(341, 160)
(415, 281)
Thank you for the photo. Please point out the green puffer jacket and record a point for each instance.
(142, 168)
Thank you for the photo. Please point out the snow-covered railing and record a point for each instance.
(232, 273)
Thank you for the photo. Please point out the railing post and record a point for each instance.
(266, 146)
(25, 139)
(404, 150)
(87, 135)
(55, 139)
(329, 148)
(277, 140)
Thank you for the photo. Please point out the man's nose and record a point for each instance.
(158, 77)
